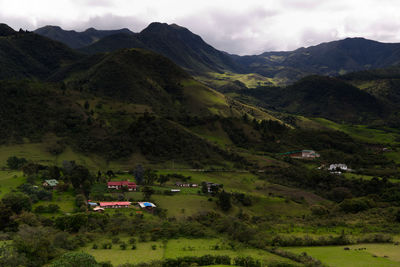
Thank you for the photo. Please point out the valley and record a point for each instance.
(281, 159)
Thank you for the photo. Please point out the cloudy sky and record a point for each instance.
(235, 26)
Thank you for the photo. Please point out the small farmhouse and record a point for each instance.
(98, 209)
(339, 166)
(50, 183)
(131, 186)
(147, 205)
(115, 205)
(185, 184)
(210, 186)
(302, 154)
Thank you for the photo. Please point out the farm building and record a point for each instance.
(339, 166)
(131, 186)
(185, 184)
(210, 186)
(115, 205)
(98, 209)
(50, 183)
(302, 154)
(147, 206)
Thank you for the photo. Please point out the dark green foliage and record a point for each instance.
(17, 202)
(224, 201)
(71, 223)
(75, 259)
(36, 194)
(319, 96)
(15, 163)
(138, 173)
(355, 205)
(51, 208)
(247, 261)
(5, 217)
(123, 246)
(201, 261)
(335, 187)
(34, 243)
(28, 55)
(147, 192)
(397, 217)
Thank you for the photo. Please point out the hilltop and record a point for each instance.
(191, 52)
(76, 39)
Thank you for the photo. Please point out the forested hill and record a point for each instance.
(191, 52)
(320, 96)
(185, 48)
(28, 55)
(76, 39)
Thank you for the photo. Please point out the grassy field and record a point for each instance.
(362, 132)
(338, 257)
(9, 180)
(65, 200)
(183, 205)
(198, 247)
(142, 253)
(251, 80)
(381, 250)
(175, 248)
(265, 195)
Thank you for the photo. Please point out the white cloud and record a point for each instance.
(243, 27)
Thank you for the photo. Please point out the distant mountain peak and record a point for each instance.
(6, 30)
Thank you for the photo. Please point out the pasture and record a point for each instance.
(174, 248)
(336, 256)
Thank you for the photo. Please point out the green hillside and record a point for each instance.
(318, 96)
(28, 55)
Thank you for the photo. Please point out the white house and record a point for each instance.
(339, 166)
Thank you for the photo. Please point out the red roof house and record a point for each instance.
(120, 184)
(115, 205)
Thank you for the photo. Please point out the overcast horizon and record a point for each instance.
(253, 28)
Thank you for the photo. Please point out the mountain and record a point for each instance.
(29, 55)
(143, 77)
(189, 51)
(320, 96)
(77, 39)
(6, 30)
(185, 48)
(331, 58)
(113, 105)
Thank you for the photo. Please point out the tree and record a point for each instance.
(80, 177)
(15, 163)
(30, 169)
(149, 176)
(86, 105)
(75, 259)
(35, 244)
(224, 201)
(138, 173)
(17, 202)
(162, 179)
(68, 166)
(147, 192)
(204, 188)
(5, 214)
